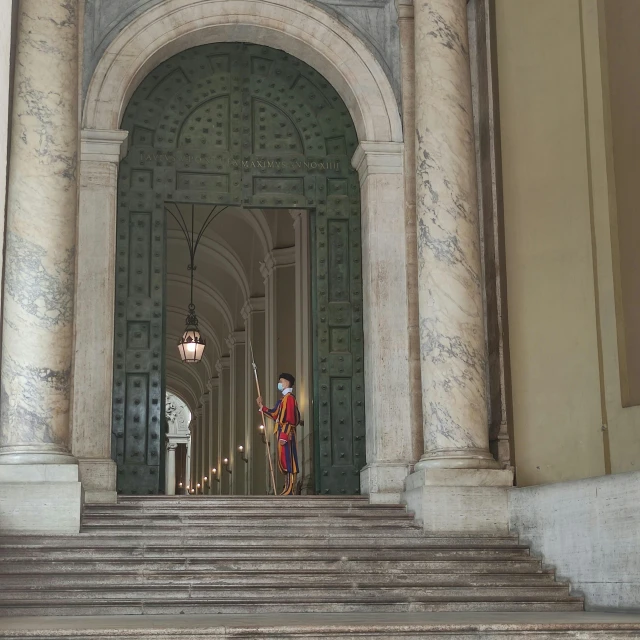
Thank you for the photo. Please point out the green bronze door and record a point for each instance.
(249, 126)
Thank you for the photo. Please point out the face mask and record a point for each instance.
(280, 386)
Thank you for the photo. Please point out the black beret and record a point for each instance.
(288, 377)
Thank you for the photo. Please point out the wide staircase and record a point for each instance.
(244, 555)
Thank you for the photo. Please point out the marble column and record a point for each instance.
(455, 486)
(170, 466)
(387, 395)
(101, 152)
(407, 68)
(39, 487)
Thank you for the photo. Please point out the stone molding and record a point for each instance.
(285, 257)
(213, 383)
(235, 338)
(103, 145)
(404, 9)
(376, 158)
(223, 363)
(252, 305)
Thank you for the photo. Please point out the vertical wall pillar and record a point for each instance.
(188, 472)
(39, 482)
(389, 440)
(237, 421)
(196, 452)
(170, 466)
(304, 390)
(213, 435)
(203, 454)
(101, 151)
(254, 321)
(224, 431)
(278, 271)
(407, 67)
(457, 484)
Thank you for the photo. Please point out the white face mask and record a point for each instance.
(280, 386)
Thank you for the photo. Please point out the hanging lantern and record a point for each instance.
(191, 345)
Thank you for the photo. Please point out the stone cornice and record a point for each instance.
(223, 363)
(252, 305)
(237, 337)
(284, 257)
(405, 9)
(103, 145)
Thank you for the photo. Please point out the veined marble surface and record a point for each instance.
(40, 241)
(450, 296)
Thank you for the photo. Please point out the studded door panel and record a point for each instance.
(250, 126)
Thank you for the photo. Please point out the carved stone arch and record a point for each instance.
(315, 37)
(300, 28)
(177, 386)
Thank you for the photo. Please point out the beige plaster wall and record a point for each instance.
(621, 23)
(559, 195)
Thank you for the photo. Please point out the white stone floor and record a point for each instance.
(220, 625)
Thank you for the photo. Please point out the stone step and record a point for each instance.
(365, 511)
(153, 537)
(336, 626)
(328, 524)
(300, 552)
(248, 579)
(284, 502)
(45, 607)
(291, 594)
(524, 566)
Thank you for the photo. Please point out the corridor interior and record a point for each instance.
(251, 294)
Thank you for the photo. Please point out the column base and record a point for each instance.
(98, 477)
(40, 499)
(458, 459)
(383, 482)
(459, 500)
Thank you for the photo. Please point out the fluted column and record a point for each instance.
(457, 484)
(37, 332)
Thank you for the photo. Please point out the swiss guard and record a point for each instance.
(286, 417)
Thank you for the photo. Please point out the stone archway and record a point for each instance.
(309, 33)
